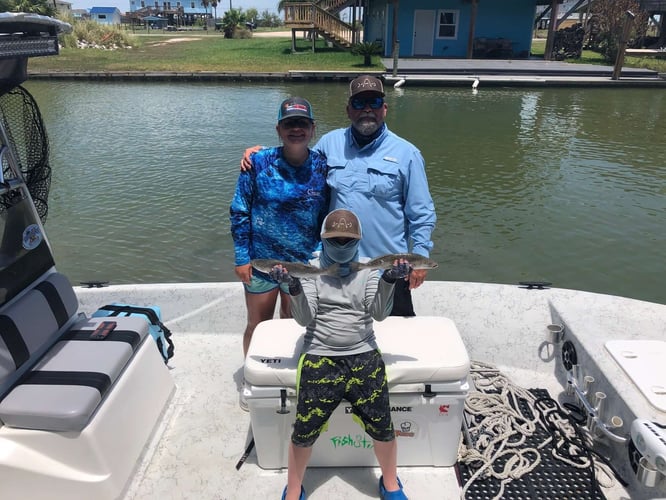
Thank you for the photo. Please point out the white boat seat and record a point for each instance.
(64, 386)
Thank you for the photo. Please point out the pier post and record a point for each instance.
(622, 45)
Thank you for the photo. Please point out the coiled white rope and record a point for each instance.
(499, 430)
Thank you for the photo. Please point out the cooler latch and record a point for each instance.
(283, 403)
(428, 392)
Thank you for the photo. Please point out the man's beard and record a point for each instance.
(366, 126)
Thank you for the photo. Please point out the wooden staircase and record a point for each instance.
(321, 17)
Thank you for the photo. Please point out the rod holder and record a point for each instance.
(588, 380)
(594, 417)
(646, 474)
(572, 380)
(594, 406)
(555, 333)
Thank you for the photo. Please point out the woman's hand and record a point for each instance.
(244, 273)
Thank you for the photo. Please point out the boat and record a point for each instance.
(555, 393)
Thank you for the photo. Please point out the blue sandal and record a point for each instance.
(302, 497)
(391, 495)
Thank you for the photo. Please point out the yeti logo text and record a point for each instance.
(271, 361)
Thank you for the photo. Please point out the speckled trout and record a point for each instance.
(297, 269)
(416, 261)
(300, 270)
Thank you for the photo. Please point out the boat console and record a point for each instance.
(79, 397)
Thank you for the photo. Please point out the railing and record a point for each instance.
(309, 15)
(333, 6)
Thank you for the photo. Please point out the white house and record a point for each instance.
(105, 15)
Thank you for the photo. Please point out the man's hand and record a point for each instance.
(417, 277)
(244, 273)
(245, 163)
(399, 269)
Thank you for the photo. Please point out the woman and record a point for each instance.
(277, 211)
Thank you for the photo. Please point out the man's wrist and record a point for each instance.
(387, 278)
(295, 286)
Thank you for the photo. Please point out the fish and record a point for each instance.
(416, 261)
(300, 270)
(296, 269)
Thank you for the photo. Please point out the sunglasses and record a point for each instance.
(359, 103)
(296, 123)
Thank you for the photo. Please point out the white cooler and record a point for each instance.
(427, 366)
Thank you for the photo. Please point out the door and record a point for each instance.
(424, 32)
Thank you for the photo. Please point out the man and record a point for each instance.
(340, 358)
(381, 177)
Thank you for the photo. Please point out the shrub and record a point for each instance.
(92, 34)
(367, 50)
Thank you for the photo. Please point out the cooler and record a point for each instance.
(427, 366)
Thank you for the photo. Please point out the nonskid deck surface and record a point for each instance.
(205, 433)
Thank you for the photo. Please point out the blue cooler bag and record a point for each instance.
(153, 315)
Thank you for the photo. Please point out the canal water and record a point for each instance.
(561, 185)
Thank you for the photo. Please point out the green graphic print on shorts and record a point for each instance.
(323, 381)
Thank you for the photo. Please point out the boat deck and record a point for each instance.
(204, 434)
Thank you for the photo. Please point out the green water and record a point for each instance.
(563, 185)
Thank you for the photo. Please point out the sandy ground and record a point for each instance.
(272, 34)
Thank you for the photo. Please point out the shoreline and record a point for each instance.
(408, 79)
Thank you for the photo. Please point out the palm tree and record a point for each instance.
(205, 3)
(367, 50)
(281, 4)
(42, 7)
(214, 5)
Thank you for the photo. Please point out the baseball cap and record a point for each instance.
(365, 83)
(294, 107)
(341, 223)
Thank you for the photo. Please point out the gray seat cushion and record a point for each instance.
(31, 323)
(63, 390)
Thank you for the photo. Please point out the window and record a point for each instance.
(448, 24)
(101, 16)
(192, 5)
(143, 4)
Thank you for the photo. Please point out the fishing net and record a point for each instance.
(28, 142)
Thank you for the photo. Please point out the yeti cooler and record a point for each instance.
(427, 366)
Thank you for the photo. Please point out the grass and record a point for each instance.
(207, 51)
(202, 51)
(591, 57)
